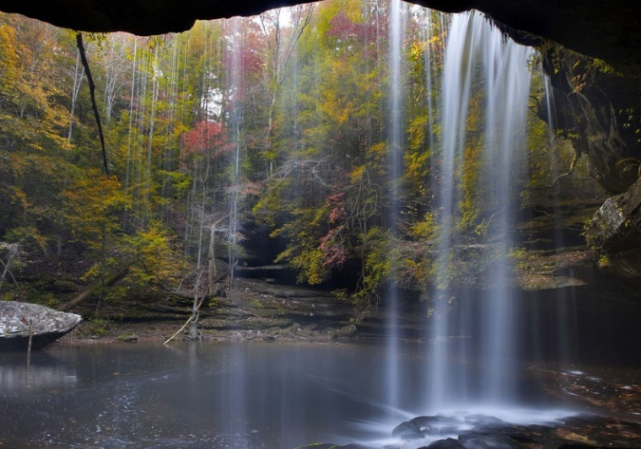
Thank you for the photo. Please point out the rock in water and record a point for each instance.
(418, 427)
(127, 338)
(18, 320)
(448, 443)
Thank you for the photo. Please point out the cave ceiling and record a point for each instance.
(609, 30)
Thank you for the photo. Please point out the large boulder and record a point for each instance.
(417, 428)
(20, 321)
(617, 224)
(615, 231)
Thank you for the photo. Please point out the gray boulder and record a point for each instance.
(617, 224)
(615, 231)
(19, 320)
(349, 331)
(448, 443)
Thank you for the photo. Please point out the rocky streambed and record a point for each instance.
(477, 431)
(252, 309)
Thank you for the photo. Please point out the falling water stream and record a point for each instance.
(235, 84)
(397, 30)
(479, 56)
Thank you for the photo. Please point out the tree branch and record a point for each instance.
(575, 159)
(119, 276)
(92, 91)
(13, 251)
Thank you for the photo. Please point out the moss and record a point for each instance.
(96, 327)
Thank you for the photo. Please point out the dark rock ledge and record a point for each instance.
(487, 432)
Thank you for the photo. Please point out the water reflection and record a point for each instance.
(205, 395)
(18, 374)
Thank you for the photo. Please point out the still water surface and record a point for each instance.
(207, 395)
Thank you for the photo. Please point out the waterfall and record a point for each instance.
(478, 58)
(236, 87)
(508, 86)
(395, 143)
(565, 304)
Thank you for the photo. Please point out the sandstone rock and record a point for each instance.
(408, 431)
(308, 331)
(293, 329)
(348, 331)
(426, 425)
(448, 443)
(127, 338)
(615, 231)
(617, 224)
(554, 282)
(19, 320)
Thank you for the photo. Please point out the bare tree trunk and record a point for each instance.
(13, 253)
(92, 93)
(192, 334)
(280, 60)
(77, 82)
(212, 258)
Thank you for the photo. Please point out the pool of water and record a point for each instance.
(210, 395)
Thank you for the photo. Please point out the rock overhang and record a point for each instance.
(606, 30)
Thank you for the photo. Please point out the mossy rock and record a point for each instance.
(348, 331)
(127, 338)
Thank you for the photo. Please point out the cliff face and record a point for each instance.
(615, 231)
(596, 108)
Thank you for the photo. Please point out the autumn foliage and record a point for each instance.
(278, 125)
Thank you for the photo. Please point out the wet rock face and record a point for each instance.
(617, 224)
(615, 231)
(448, 443)
(597, 110)
(607, 30)
(422, 426)
(20, 320)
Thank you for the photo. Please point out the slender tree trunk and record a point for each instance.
(13, 251)
(212, 259)
(92, 92)
(77, 82)
(192, 333)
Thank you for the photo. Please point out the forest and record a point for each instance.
(271, 140)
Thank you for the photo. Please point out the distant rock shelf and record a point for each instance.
(21, 322)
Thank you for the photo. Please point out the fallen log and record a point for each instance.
(89, 291)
